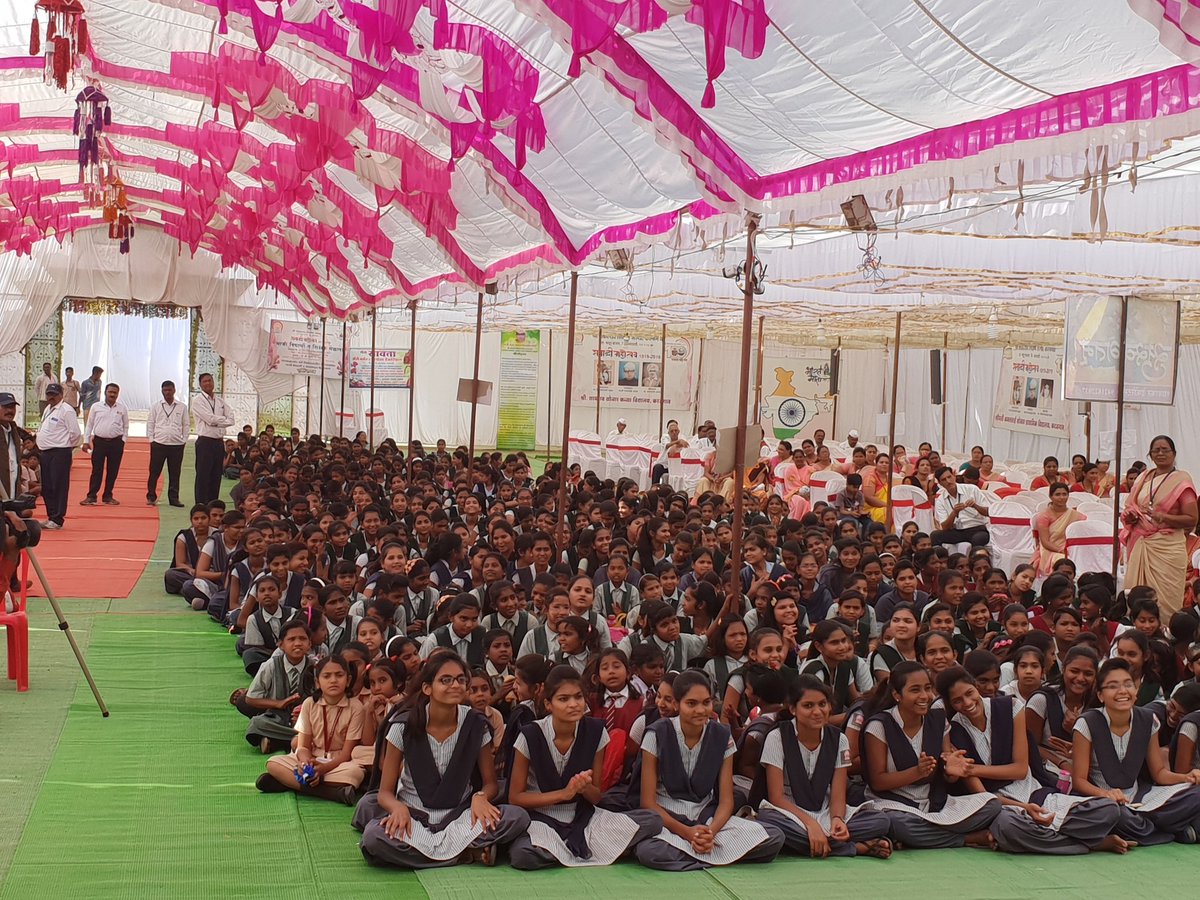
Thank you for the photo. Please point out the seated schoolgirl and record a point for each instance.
(385, 686)
(329, 728)
(784, 614)
(767, 690)
(405, 653)
(976, 623)
(985, 669)
(543, 640)
(530, 672)
(1134, 647)
(1184, 709)
(556, 776)
(832, 660)
(728, 651)
(438, 780)
(907, 773)
(281, 683)
(687, 780)
(649, 665)
(479, 698)
(497, 665)
(1028, 666)
(581, 596)
(462, 634)
(901, 644)
(370, 633)
(807, 763)
(936, 652)
(1117, 756)
(1036, 818)
(660, 627)
(578, 643)
(852, 611)
(339, 623)
(507, 613)
(663, 707)
(764, 646)
(614, 700)
(1052, 710)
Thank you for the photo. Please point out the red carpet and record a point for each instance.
(103, 550)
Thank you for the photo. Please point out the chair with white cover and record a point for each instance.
(692, 464)
(584, 448)
(1090, 546)
(1016, 478)
(630, 456)
(1077, 498)
(822, 486)
(1029, 499)
(346, 423)
(675, 472)
(911, 504)
(1096, 510)
(378, 431)
(1010, 526)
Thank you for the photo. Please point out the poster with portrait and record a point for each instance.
(631, 372)
(795, 397)
(393, 368)
(294, 348)
(1029, 396)
(1093, 350)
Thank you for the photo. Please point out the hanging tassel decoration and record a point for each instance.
(66, 39)
(91, 115)
(35, 37)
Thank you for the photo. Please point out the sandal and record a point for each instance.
(879, 848)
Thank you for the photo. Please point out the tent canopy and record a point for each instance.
(346, 153)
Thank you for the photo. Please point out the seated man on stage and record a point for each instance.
(959, 511)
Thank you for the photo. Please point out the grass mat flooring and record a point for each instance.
(159, 799)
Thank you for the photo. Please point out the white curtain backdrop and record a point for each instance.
(137, 353)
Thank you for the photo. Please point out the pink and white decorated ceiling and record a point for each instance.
(352, 152)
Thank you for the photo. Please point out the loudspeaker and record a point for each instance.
(835, 364)
(935, 377)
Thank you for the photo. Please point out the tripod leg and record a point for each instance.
(66, 629)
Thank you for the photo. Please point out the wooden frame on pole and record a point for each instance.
(1116, 545)
(412, 383)
(371, 401)
(342, 402)
(739, 450)
(475, 391)
(892, 417)
(662, 379)
(599, 366)
(566, 430)
(321, 401)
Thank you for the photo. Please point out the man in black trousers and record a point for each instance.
(212, 418)
(167, 427)
(57, 438)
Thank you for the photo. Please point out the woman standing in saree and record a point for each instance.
(1050, 530)
(1161, 510)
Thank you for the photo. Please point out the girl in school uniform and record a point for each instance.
(370, 633)
(581, 596)
(832, 661)
(902, 641)
(765, 647)
(1134, 647)
(479, 696)
(530, 673)
(557, 775)
(1028, 668)
(687, 780)
(615, 701)
(807, 763)
(1184, 706)
(507, 612)
(1052, 710)
(976, 622)
(385, 685)
(1117, 756)
(661, 629)
(438, 780)
(1036, 818)
(729, 651)
(243, 574)
(462, 633)
(330, 726)
(907, 774)
(577, 643)
(543, 640)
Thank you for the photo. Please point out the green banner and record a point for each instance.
(517, 412)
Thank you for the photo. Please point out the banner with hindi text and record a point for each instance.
(517, 410)
(795, 397)
(631, 372)
(1029, 397)
(1093, 350)
(294, 348)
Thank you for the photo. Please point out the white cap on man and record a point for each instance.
(621, 422)
(853, 433)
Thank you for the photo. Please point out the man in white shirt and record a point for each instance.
(167, 427)
(57, 436)
(212, 418)
(107, 429)
(40, 384)
(616, 433)
(71, 390)
(959, 511)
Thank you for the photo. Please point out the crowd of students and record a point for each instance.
(433, 646)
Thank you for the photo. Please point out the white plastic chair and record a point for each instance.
(584, 448)
(1079, 498)
(630, 456)
(1030, 499)
(692, 463)
(1011, 530)
(1090, 546)
(346, 423)
(675, 472)
(824, 485)
(1096, 511)
(911, 504)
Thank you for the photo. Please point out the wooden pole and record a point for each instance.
(566, 431)
(321, 403)
(699, 378)
(758, 373)
(342, 402)
(549, 394)
(662, 379)
(475, 391)
(739, 450)
(308, 404)
(945, 368)
(599, 365)
(892, 417)
(1116, 547)
(833, 427)
(412, 383)
(967, 400)
(371, 401)
(1087, 429)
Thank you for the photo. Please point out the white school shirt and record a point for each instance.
(406, 789)
(167, 423)
(772, 755)
(561, 812)
(255, 638)
(212, 416)
(59, 429)
(689, 755)
(108, 422)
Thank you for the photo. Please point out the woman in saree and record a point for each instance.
(1158, 515)
(1091, 481)
(876, 484)
(794, 485)
(1050, 530)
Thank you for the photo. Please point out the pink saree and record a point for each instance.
(1157, 554)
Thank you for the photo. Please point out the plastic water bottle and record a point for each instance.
(1064, 781)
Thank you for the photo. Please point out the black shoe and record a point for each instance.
(268, 785)
(88, 501)
(177, 503)
(151, 501)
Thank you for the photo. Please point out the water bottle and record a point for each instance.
(1064, 781)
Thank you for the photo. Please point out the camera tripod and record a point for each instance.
(63, 625)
